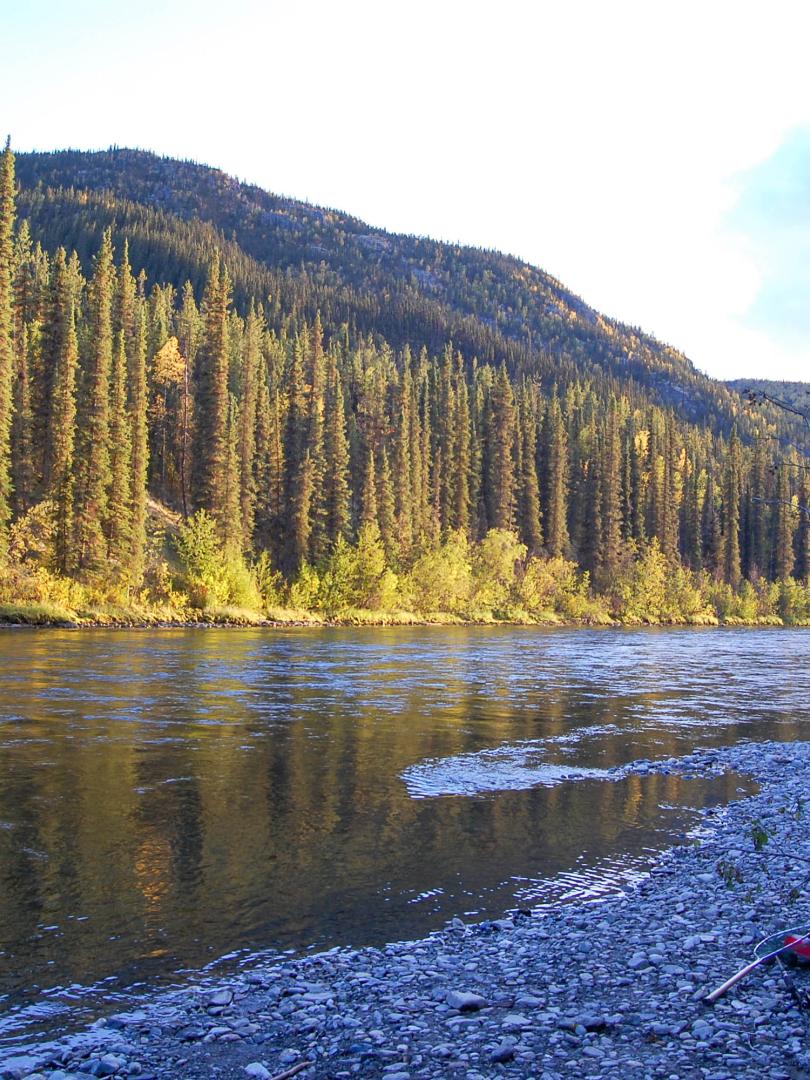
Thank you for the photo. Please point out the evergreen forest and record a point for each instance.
(219, 405)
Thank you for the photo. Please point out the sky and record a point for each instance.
(653, 157)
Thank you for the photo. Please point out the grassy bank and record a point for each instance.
(191, 578)
(137, 616)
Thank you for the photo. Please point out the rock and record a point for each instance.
(258, 1071)
(528, 1001)
(505, 1051)
(221, 998)
(191, 1033)
(515, 1022)
(465, 1001)
(593, 1023)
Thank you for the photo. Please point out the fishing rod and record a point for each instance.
(711, 998)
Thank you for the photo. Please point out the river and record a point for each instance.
(176, 802)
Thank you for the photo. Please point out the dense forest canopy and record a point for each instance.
(329, 416)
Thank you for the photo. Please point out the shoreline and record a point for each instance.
(612, 988)
(391, 620)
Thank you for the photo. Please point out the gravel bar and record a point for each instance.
(608, 989)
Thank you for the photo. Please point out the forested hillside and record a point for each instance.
(214, 397)
(788, 395)
(412, 290)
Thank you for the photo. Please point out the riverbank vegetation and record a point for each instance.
(165, 457)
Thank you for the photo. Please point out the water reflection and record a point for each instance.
(166, 798)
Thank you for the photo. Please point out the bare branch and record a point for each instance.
(782, 502)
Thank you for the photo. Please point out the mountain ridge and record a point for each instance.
(524, 316)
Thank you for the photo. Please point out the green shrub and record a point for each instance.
(496, 560)
(441, 579)
(214, 575)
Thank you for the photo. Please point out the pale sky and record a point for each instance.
(655, 157)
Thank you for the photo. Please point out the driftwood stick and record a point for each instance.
(294, 1071)
(741, 974)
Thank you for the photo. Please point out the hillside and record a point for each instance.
(794, 395)
(344, 423)
(409, 289)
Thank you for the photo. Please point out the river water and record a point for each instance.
(179, 802)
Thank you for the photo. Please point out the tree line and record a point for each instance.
(289, 442)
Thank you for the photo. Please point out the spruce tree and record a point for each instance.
(212, 399)
(93, 423)
(759, 494)
(385, 510)
(731, 513)
(784, 526)
(802, 563)
(119, 533)
(298, 487)
(254, 333)
(189, 331)
(555, 504)
(336, 489)
(403, 481)
(500, 441)
(269, 469)
(62, 420)
(7, 210)
(23, 467)
(462, 450)
(610, 545)
(230, 512)
(710, 527)
(368, 498)
(137, 414)
(529, 490)
(318, 535)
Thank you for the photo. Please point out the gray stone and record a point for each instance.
(258, 1071)
(465, 1001)
(515, 1022)
(505, 1051)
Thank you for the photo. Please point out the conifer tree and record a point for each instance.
(137, 414)
(368, 498)
(212, 398)
(731, 513)
(555, 503)
(692, 546)
(23, 471)
(784, 526)
(318, 538)
(62, 417)
(802, 564)
(462, 464)
(298, 486)
(710, 527)
(610, 542)
(337, 493)
(254, 333)
(93, 422)
(529, 490)
(385, 510)
(403, 480)
(124, 305)
(230, 511)
(7, 211)
(758, 554)
(500, 479)
(189, 331)
(119, 532)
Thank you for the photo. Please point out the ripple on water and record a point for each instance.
(503, 769)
